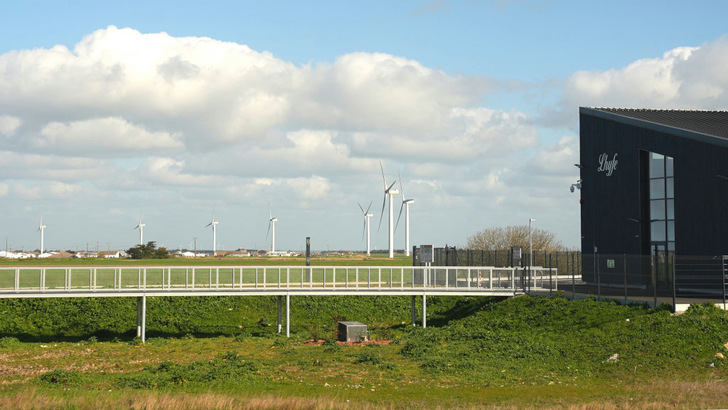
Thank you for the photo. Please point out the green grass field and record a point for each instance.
(223, 352)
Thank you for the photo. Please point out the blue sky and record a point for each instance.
(474, 103)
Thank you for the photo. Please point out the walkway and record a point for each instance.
(281, 281)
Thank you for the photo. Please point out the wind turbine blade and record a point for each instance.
(401, 189)
(390, 187)
(383, 177)
(381, 214)
(364, 227)
(401, 207)
(362, 209)
(369, 207)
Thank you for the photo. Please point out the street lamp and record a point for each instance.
(530, 243)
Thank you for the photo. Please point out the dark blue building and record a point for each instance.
(654, 197)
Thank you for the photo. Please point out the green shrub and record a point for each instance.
(9, 342)
(61, 376)
(228, 367)
(368, 357)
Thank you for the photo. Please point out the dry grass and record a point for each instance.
(657, 395)
(30, 398)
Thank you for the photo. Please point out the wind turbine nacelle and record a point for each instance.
(393, 192)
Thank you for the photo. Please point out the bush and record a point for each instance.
(368, 357)
(227, 367)
(61, 376)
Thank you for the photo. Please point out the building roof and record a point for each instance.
(711, 123)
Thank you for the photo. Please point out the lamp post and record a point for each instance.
(530, 243)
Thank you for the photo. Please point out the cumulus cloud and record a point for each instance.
(168, 171)
(8, 124)
(682, 78)
(552, 158)
(106, 137)
(126, 117)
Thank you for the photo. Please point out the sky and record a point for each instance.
(168, 112)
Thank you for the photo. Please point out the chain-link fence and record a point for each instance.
(661, 277)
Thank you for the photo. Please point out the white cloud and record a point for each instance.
(107, 137)
(8, 124)
(168, 171)
(555, 159)
(684, 78)
(315, 187)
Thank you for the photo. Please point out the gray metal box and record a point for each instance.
(352, 332)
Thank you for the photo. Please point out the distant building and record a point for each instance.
(60, 255)
(109, 254)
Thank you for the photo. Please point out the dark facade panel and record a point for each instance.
(615, 212)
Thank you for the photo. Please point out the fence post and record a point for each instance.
(599, 278)
(625, 278)
(573, 275)
(551, 282)
(674, 279)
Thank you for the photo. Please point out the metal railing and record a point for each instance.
(15, 281)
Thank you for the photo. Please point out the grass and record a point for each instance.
(353, 259)
(222, 352)
(525, 352)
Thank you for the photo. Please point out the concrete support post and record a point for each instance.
(142, 317)
(424, 310)
(288, 315)
(280, 325)
(414, 310)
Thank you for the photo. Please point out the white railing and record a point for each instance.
(193, 279)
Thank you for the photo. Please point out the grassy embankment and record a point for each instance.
(223, 352)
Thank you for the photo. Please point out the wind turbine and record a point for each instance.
(405, 205)
(140, 226)
(272, 224)
(367, 215)
(213, 223)
(388, 192)
(41, 229)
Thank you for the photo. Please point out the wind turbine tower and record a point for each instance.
(367, 216)
(41, 229)
(140, 226)
(405, 205)
(388, 192)
(272, 230)
(213, 223)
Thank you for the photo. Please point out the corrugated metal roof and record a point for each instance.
(713, 123)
